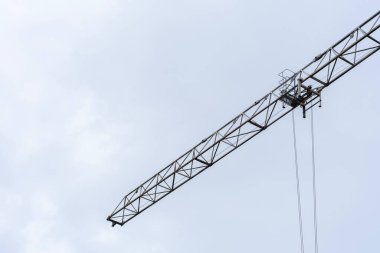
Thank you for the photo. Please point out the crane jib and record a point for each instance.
(302, 89)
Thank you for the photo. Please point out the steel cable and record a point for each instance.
(298, 184)
(314, 183)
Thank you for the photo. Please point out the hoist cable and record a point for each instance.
(298, 184)
(314, 183)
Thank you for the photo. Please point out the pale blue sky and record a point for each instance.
(96, 96)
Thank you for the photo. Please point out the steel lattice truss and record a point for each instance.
(303, 89)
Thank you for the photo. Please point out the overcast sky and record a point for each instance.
(97, 96)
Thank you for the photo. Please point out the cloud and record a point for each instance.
(96, 96)
(39, 233)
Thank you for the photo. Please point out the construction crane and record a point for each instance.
(301, 89)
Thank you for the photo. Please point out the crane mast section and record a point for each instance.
(301, 89)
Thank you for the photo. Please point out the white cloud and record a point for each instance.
(95, 95)
(38, 237)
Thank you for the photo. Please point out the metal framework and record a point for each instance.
(302, 88)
